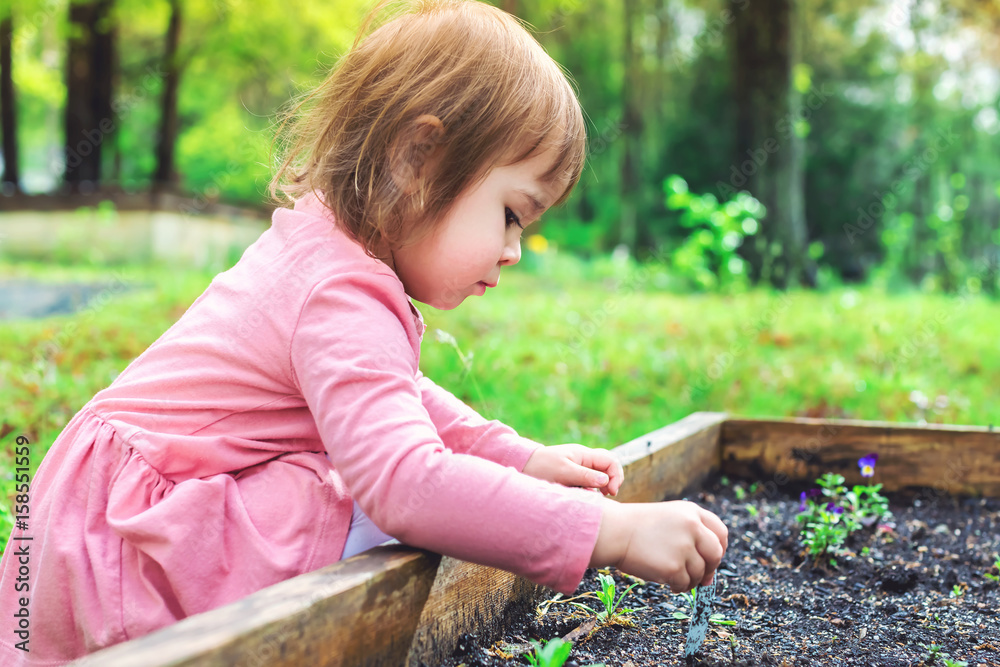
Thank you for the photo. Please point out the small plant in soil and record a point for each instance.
(996, 566)
(830, 513)
(555, 653)
(611, 613)
(691, 596)
(934, 652)
(882, 607)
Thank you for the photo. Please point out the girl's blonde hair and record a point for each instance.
(496, 91)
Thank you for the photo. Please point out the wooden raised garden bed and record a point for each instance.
(403, 606)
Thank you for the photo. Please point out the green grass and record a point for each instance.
(51, 367)
(563, 357)
(589, 363)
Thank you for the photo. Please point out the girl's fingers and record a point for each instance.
(714, 523)
(710, 551)
(579, 475)
(696, 571)
(606, 462)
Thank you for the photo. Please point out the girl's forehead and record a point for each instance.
(539, 168)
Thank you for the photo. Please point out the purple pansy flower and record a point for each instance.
(805, 495)
(867, 465)
(836, 509)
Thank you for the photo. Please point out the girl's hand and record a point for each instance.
(576, 465)
(676, 543)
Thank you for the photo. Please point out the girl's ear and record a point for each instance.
(414, 155)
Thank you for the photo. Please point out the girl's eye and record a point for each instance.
(512, 218)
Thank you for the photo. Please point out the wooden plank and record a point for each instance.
(932, 460)
(473, 598)
(360, 611)
(469, 598)
(673, 460)
(396, 605)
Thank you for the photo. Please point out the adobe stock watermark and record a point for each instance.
(611, 132)
(987, 270)
(26, 27)
(740, 174)
(584, 328)
(44, 357)
(912, 170)
(207, 195)
(121, 108)
(711, 36)
(699, 386)
(563, 9)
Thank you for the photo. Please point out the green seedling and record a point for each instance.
(934, 652)
(830, 513)
(752, 510)
(994, 577)
(956, 591)
(555, 653)
(607, 597)
(740, 492)
(866, 503)
(691, 596)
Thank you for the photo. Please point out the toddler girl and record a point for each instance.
(282, 423)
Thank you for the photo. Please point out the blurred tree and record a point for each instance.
(90, 68)
(631, 161)
(8, 106)
(769, 152)
(165, 176)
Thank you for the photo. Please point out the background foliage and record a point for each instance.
(646, 297)
(897, 112)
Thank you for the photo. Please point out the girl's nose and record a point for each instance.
(511, 250)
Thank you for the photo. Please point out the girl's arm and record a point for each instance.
(465, 431)
(354, 360)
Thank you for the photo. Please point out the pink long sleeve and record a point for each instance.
(465, 431)
(227, 457)
(348, 357)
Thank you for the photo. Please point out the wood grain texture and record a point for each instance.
(469, 598)
(397, 605)
(672, 460)
(474, 598)
(360, 611)
(932, 460)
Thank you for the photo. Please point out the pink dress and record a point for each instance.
(228, 457)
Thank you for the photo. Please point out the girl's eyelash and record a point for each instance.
(516, 220)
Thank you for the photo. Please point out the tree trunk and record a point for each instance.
(769, 153)
(10, 183)
(165, 177)
(89, 117)
(631, 166)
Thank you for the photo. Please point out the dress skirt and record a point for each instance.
(117, 549)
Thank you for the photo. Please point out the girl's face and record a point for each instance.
(479, 236)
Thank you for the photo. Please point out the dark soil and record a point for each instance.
(884, 606)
